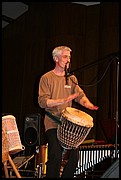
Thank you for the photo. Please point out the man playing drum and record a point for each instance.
(56, 92)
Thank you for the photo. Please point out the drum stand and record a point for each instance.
(13, 166)
(6, 156)
(5, 169)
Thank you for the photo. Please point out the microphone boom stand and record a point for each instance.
(117, 126)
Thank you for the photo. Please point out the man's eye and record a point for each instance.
(65, 56)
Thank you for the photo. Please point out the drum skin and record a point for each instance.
(78, 117)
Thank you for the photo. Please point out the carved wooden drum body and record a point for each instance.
(75, 127)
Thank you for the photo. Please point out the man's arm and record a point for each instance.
(84, 101)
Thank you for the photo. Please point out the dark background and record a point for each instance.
(92, 32)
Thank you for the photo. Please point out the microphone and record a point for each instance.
(67, 69)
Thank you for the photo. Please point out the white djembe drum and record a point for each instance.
(75, 127)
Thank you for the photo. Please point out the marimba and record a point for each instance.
(90, 155)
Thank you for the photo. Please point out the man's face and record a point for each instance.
(64, 59)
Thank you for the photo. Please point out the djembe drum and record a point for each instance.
(74, 128)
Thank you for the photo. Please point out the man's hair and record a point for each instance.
(57, 50)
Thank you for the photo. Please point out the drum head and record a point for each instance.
(78, 117)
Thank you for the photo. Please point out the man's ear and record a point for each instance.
(56, 59)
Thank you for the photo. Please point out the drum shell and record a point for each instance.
(71, 135)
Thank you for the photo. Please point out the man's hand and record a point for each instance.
(71, 97)
(86, 103)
